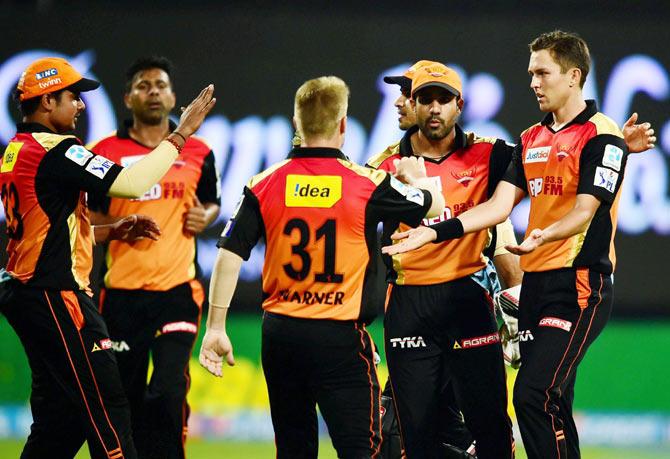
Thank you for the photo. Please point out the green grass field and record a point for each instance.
(199, 449)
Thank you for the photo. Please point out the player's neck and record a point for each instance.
(149, 134)
(432, 149)
(568, 111)
(41, 118)
(321, 142)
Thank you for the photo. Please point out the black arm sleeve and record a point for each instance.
(244, 228)
(515, 173)
(209, 189)
(76, 167)
(501, 157)
(601, 167)
(393, 200)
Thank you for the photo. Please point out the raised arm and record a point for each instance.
(137, 179)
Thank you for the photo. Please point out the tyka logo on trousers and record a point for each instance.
(407, 342)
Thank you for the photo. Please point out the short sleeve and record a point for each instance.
(501, 157)
(515, 173)
(73, 165)
(393, 200)
(244, 228)
(209, 186)
(601, 167)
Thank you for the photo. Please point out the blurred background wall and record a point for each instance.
(258, 53)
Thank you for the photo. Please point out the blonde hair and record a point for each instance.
(320, 104)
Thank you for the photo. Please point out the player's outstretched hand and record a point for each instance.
(638, 137)
(134, 227)
(410, 240)
(215, 347)
(196, 218)
(532, 242)
(409, 169)
(193, 115)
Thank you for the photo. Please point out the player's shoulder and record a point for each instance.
(528, 130)
(49, 141)
(377, 160)
(261, 176)
(200, 142)
(376, 176)
(605, 125)
(102, 141)
(474, 139)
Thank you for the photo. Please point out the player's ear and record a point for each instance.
(295, 124)
(343, 125)
(575, 77)
(460, 103)
(126, 100)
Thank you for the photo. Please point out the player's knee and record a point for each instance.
(526, 396)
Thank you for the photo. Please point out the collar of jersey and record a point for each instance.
(405, 149)
(33, 127)
(122, 131)
(309, 152)
(586, 114)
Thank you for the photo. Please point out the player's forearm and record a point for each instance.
(98, 218)
(221, 288)
(101, 233)
(507, 267)
(137, 179)
(574, 222)
(437, 204)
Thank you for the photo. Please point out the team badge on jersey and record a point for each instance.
(612, 157)
(322, 191)
(99, 166)
(78, 154)
(606, 178)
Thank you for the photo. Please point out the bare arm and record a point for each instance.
(216, 345)
(506, 263)
(572, 223)
(484, 215)
(129, 229)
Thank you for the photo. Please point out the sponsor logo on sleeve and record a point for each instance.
(322, 191)
(555, 322)
(102, 345)
(399, 186)
(537, 155)
(10, 156)
(612, 157)
(78, 154)
(606, 178)
(99, 166)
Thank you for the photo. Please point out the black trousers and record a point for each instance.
(163, 326)
(561, 312)
(325, 363)
(447, 331)
(77, 393)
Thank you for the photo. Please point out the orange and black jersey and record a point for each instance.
(586, 156)
(466, 177)
(44, 178)
(170, 261)
(318, 213)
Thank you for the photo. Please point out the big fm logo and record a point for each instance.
(322, 191)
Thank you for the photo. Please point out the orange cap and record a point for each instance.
(51, 74)
(437, 74)
(405, 80)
